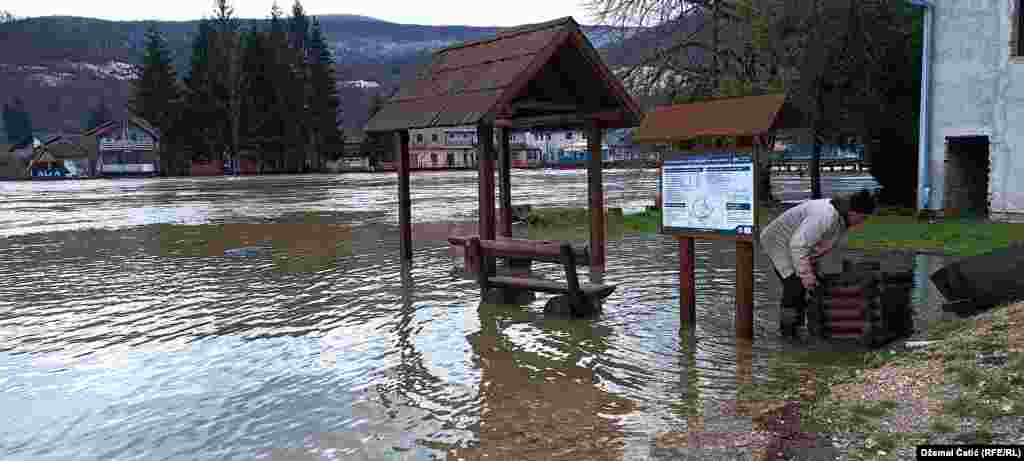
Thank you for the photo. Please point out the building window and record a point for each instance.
(568, 135)
(547, 137)
(419, 137)
(433, 137)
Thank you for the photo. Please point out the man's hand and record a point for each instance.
(809, 281)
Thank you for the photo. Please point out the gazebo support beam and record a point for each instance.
(485, 162)
(505, 183)
(400, 140)
(608, 118)
(596, 194)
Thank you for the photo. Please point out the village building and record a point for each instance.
(442, 148)
(128, 147)
(972, 155)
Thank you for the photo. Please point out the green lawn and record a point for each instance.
(958, 237)
(896, 229)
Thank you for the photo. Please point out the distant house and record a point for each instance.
(62, 156)
(127, 147)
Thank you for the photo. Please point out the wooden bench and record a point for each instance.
(579, 294)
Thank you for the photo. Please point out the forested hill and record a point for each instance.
(62, 66)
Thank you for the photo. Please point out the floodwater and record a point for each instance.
(270, 318)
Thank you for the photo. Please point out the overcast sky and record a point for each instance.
(433, 12)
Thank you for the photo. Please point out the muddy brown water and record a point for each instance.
(270, 318)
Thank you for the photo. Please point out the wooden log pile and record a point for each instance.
(862, 303)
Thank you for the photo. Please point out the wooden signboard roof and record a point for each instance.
(743, 116)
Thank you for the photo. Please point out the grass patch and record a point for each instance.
(987, 390)
(891, 228)
(943, 425)
(958, 237)
(571, 224)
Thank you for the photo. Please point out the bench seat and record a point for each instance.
(549, 286)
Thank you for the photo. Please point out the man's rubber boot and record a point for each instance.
(787, 321)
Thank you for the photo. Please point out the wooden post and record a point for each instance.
(401, 147)
(657, 196)
(571, 278)
(745, 258)
(485, 162)
(505, 184)
(744, 290)
(481, 274)
(596, 192)
(687, 283)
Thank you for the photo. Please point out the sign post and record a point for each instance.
(712, 194)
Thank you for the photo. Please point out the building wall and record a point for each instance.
(447, 139)
(977, 87)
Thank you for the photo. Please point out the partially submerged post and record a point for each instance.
(544, 75)
(709, 184)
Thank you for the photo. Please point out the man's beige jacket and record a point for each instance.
(796, 239)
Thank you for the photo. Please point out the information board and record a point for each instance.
(708, 193)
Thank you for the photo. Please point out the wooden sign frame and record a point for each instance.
(744, 247)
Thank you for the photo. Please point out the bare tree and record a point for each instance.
(825, 54)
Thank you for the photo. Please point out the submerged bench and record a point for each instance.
(579, 294)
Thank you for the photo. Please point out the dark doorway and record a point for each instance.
(967, 173)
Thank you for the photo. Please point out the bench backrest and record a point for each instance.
(537, 250)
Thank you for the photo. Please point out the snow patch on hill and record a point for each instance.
(112, 69)
(361, 84)
(60, 74)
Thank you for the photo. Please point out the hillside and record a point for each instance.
(61, 66)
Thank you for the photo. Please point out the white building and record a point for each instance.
(454, 147)
(973, 147)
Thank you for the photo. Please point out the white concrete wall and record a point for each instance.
(978, 90)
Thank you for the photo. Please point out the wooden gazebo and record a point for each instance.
(544, 75)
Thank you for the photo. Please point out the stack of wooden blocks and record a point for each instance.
(862, 303)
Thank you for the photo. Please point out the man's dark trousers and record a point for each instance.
(793, 306)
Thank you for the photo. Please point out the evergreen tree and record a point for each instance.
(17, 121)
(300, 133)
(202, 119)
(155, 93)
(8, 122)
(280, 124)
(261, 121)
(226, 61)
(324, 102)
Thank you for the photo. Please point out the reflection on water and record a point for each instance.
(270, 318)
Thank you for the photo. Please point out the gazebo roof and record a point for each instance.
(545, 74)
(742, 116)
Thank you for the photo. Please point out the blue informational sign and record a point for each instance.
(708, 192)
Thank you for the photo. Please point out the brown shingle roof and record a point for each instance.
(466, 83)
(722, 117)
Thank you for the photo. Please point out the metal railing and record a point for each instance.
(126, 145)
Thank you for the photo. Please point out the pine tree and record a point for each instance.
(8, 122)
(226, 60)
(324, 102)
(201, 118)
(17, 121)
(300, 133)
(155, 94)
(280, 120)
